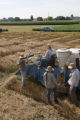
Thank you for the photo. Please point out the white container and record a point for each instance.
(76, 52)
(63, 52)
(62, 55)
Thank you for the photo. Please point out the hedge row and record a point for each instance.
(55, 22)
(38, 29)
(67, 30)
(3, 30)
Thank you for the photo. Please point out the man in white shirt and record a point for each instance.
(73, 82)
(50, 56)
(49, 52)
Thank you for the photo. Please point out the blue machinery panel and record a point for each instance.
(33, 70)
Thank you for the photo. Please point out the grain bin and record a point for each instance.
(76, 53)
(62, 55)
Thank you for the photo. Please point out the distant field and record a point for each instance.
(63, 28)
(28, 28)
(25, 28)
(75, 28)
(54, 22)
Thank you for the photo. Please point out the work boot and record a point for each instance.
(56, 101)
(48, 102)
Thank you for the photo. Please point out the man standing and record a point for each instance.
(73, 82)
(22, 66)
(50, 83)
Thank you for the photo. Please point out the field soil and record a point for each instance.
(16, 105)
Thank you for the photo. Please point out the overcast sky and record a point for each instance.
(44, 8)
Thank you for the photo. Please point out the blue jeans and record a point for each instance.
(23, 74)
(54, 93)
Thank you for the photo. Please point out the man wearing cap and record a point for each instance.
(50, 83)
(49, 58)
(73, 82)
(22, 66)
(49, 52)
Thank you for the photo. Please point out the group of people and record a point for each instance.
(51, 83)
(49, 61)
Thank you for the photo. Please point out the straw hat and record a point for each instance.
(72, 66)
(21, 56)
(49, 69)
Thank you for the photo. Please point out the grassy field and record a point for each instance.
(58, 28)
(62, 28)
(20, 39)
(72, 28)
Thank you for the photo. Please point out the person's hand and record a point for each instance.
(26, 61)
(58, 84)
(70, 75)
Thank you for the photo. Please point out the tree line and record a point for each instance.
(49, 18)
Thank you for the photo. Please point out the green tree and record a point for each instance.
(50, 18)
(39, 19)
(72, 16)
(68, 18)
(4, 19)
(17, 19)
(60, 18)
(31, 18)
(10, 19)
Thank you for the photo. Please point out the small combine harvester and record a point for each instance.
(61, 72)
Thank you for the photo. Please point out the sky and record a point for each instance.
(43, 8)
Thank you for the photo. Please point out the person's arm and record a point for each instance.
(54, 51)
(18, 63)
(73, 77)
(46, 55)
(44, 78)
